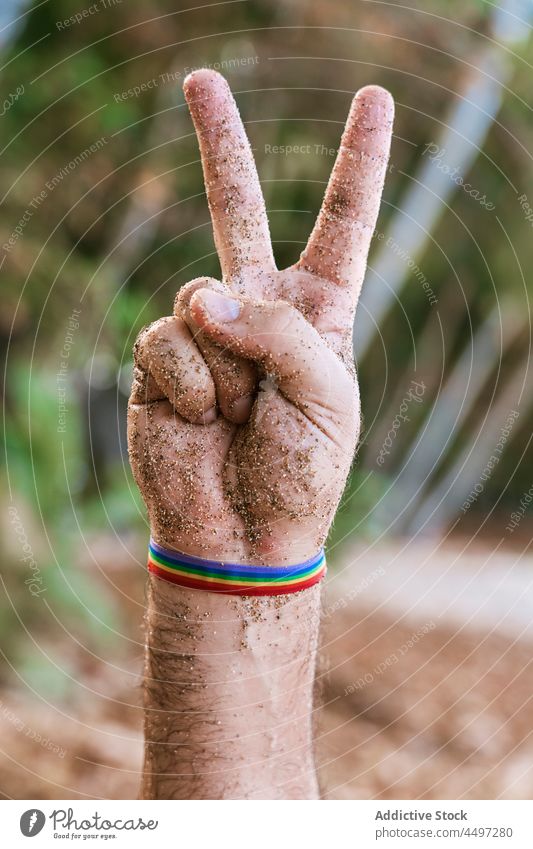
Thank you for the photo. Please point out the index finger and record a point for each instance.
(233, 191)
(338, 246)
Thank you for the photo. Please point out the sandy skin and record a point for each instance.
(244, 413)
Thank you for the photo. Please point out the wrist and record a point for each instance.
(282, 545)
(228, 688)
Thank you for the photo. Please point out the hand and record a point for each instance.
(244, 412)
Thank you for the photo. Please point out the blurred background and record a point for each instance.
(425, 671)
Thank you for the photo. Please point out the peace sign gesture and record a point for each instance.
(244, 413)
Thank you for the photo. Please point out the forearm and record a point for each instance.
(228, 694)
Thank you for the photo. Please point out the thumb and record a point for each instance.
(278, 337)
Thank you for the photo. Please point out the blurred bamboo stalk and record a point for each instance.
(11, 20)
(424, 366)
(411, 504)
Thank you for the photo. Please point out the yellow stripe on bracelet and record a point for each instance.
(233, 578)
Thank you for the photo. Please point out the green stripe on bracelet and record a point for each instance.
(233, 578)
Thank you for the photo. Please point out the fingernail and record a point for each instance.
(220, 307)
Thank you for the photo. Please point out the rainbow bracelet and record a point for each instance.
(195, 573)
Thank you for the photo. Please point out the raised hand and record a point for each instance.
(244, 412)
